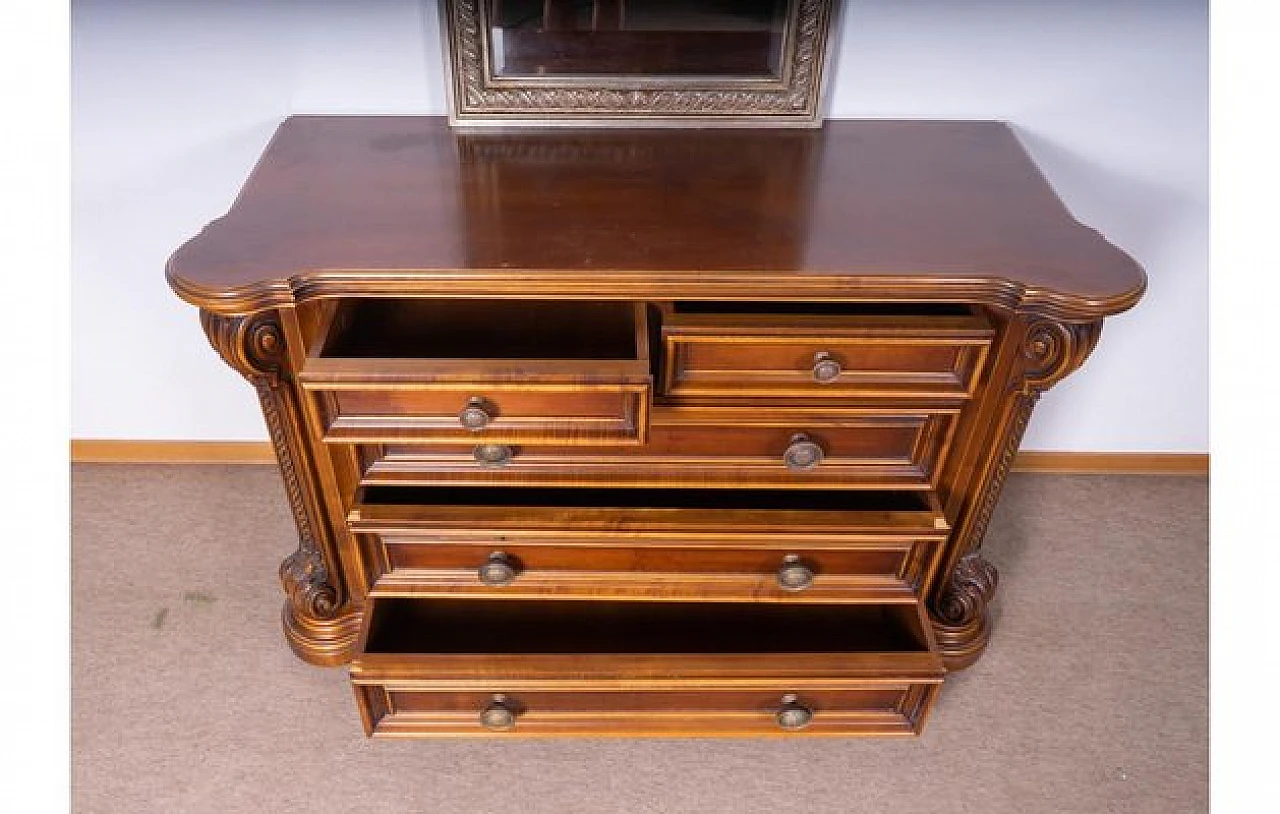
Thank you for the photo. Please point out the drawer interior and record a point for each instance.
(467, 370)
(818, 500)
(481, 329)
(519, 626)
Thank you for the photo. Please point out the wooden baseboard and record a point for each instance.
(259, 452)
(89, 451)
(1112, 463)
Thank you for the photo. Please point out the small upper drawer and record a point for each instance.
(481, 371)
(821, 350)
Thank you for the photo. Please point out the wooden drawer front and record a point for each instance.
(869, 449)
(518, 668)
(738, 356)
(884, 709)
(511, 563)
(549, 373)
(566, 414)
(650, 543)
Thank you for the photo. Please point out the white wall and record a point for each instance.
(172, 101)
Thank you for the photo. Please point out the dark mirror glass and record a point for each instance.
(652, 38)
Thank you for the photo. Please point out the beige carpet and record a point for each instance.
(1091, 698)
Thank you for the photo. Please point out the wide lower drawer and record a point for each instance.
(656, 544)
(716, 350)
(701, 446)
(515, 668)
(471, 371)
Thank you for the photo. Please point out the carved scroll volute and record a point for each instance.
(972, 585)
(1048, 352)
(306, 583)
(1051, 350)
(254, 345)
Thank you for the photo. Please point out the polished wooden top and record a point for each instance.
(856, 209)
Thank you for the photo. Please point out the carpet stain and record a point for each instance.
(199, 597)
(157, 621)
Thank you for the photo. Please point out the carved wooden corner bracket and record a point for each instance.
(1049, 351)
(315, 624)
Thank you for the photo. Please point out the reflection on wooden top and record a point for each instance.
(350, 204)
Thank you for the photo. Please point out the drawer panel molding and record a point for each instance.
(842, 568)
(697, 552)
(737, 356)
(704, 446)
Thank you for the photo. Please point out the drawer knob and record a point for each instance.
(498, 714)
(493, 455)
(794, 575)
(825, 367)
(793, 715)
(802, 453)
(476, 415)
(499, 569)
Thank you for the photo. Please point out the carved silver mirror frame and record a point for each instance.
(479, 98)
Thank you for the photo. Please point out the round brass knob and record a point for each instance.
(499, 569)
(802, 453)
(794, 575)
(493, 455)
(498, 714)
(476, 415)
(793, 715)
(825, 368)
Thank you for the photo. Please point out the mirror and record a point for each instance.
(636, 62)
(656, 38)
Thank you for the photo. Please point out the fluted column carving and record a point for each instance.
(1049, 350)
(319, 626)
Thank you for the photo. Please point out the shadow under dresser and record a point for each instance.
(646, 432)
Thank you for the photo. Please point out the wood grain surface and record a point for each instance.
(857, 209)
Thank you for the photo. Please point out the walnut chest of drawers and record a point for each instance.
(646, 432)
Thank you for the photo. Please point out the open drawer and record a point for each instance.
(822, 350)
(466, 667)
(481, 371)
(798, 546)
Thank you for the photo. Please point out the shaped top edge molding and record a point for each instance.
(857, 210)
